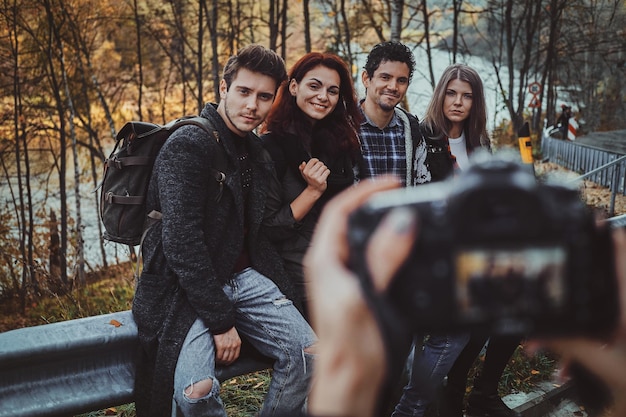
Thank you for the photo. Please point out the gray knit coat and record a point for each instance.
(190, 254)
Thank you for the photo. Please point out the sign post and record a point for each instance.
(535, 89)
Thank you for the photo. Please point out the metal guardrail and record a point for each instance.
(605, 168)
(76, 366)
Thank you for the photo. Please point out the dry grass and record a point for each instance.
(594, 195)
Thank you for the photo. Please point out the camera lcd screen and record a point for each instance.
(492, 283)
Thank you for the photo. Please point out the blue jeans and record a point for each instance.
(429, 368)
(274, 326)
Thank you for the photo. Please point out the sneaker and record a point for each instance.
(483, 405)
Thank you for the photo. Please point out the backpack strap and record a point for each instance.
(440, 160)
(219, 158)
(217, 171)
(417, 140)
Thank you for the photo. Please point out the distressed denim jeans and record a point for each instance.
(274, 326)
(430, 367)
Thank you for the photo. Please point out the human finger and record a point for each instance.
(329, 243)
(390, 245)
(227, 346)
(324, 174)
(314, 167)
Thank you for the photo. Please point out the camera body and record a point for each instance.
(498, 252)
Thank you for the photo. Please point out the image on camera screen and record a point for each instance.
(492, 283)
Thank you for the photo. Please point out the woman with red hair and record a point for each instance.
(311, 134)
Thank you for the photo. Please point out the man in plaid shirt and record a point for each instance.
(391, 141)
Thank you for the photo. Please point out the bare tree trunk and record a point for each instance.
(307, 26)
(56, 88)
(509, 43)
(429, 51)
(25, 230)
(179, 43)
(456, 5)
(550, 66)
(283, 30)
(81, 46)
(199, 78)
(215, 68)
(139, 60)
(33, 281)
(273, 24)
(80, 271)
(21, 204)
(397, 7)
(54, 257)
(346, 35)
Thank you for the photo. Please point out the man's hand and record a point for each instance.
(227, 347)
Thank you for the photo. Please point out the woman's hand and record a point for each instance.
(315, 173)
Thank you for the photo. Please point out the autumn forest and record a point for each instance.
(73, 71)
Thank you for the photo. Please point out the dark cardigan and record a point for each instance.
(190, 254)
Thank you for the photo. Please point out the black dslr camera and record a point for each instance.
(498, 252)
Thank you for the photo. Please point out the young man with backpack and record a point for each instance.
(209, 276)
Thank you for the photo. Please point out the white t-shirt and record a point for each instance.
(459, 150)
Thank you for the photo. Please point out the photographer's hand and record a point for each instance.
(606, 360)
(350, 365)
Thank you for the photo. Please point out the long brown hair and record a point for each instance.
(475, 126)
(340, 127)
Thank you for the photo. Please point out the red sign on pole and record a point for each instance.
(535, 90)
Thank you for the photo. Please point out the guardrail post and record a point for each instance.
(614, 188)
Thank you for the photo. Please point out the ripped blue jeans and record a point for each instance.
(274, 326)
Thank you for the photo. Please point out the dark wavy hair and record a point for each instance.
(389, 51)
(475, 126)
(256, 58)
(340, 127)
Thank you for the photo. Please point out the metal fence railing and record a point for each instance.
(603, 167)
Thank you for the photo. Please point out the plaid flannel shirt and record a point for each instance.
(384, 150)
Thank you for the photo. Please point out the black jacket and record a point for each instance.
(290, 236)
(190, 254)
